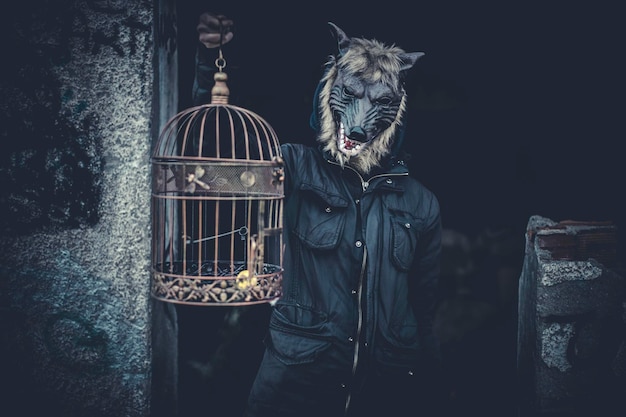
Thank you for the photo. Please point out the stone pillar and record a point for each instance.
(77, 110)
(572, 321)
(165, 374)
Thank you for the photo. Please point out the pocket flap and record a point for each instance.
(297, 333)
(292, 349)
(320, 218)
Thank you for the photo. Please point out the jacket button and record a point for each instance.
(353, 292)
(328, 209)
(389, 181)
(358, 244)
(410, 373)
(350, 339)
(407, 225)
(357, 201)
(343, 385)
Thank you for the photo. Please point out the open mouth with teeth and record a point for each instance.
(346, 145)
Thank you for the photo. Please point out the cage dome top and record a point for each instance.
(218, 131)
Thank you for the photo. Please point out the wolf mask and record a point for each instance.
(362, 100)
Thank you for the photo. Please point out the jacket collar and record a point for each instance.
(382, 179)
(391, 166)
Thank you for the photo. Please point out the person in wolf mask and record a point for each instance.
(352, 333)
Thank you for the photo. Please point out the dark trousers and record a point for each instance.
(322, 388)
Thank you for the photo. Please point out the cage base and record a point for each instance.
(216, 283)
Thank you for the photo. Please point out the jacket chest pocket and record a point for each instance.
(405, 234)
(320, 218)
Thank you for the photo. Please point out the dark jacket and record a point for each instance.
(359, 266)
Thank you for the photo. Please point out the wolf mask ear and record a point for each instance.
(343, 42)
(409, 59)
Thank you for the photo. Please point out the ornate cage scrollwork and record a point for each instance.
(217, 206)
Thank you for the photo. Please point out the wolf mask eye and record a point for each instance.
(384, 101)
(347, 92)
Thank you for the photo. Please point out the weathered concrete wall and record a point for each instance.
(76, 105)
(572, 321)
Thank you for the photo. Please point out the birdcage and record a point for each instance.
(217, 206)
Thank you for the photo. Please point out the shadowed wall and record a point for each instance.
(76, 108)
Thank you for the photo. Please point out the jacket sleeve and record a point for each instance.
(292, 156)
(203, 75)
(426, 297)
(425, 294)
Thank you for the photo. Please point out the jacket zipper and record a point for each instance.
(365, 184)
(359, 327)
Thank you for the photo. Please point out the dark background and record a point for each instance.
(517, 109)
